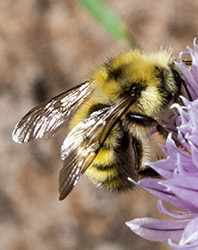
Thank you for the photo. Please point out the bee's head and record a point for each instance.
(148, 76)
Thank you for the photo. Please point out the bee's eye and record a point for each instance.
(136, 90)
(176, 75)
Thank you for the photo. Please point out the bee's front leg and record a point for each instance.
(149, 122)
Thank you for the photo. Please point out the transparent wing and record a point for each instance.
(77, 151)
(83, 143)
(45, 119)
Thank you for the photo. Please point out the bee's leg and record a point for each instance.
(163, 131)
(148, 121)
(148, 172)
(138, 151)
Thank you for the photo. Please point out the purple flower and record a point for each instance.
(179, 170)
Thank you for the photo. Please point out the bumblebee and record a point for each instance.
(110, 117)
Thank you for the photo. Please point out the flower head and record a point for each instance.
(179, 170)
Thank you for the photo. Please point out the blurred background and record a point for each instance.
(46, 47)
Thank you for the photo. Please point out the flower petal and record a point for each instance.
(155, 187)
(190, 234)
(158, 230)
(176, 214)
(185, 247)
(184, 187)
(194, 150)
(163, 167)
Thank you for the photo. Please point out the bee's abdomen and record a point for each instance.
(103, 175)
(108, 170)
(107, 176)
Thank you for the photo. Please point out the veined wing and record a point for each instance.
(83, 143)
(45, 119)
